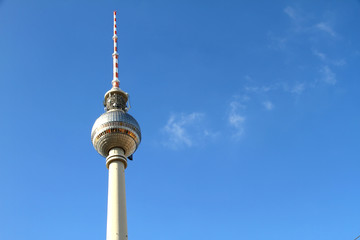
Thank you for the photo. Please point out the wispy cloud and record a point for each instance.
(248, 78)
(325, 27)
(235, 118)
(259, 89)
(291, 12)
(327, 60)
(309, 31)
(327, 75)
(303, 25)
(298, 19)
(186, 130)
(268, 105)
(176, 128)
(339, 63)
(320, 55)
(277, 43)
(298, 88)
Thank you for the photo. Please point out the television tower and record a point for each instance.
(116, 136)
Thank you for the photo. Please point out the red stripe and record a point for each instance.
(117, 75)
(116, 64)
(116, 56)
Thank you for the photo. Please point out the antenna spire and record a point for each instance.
(115, 82)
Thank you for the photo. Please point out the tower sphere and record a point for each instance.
(116, 129)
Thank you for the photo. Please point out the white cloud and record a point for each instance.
(298, 88)
(325, 28)
(320, 55)
(282, 86)
(268, 105)
(339, 63)
(277, 43)
(248, 78)
(290, 12)
(260, 89)
(324, 58)
(298, 19)
(252, 89)
(211, 134)
(235, 119)
(328, 76)
(176, 128)
(186, 130)
(302, 23)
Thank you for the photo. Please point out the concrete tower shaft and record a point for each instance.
(116, 228)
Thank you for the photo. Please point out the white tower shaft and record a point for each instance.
(116, 213)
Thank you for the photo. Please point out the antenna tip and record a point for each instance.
(114, 12)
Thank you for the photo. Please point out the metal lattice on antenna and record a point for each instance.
(115, 81)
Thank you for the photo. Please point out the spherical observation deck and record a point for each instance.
(116, 129)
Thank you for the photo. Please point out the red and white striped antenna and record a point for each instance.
(115, 82)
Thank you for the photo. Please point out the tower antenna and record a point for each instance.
(115, 82)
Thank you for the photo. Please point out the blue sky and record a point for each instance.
(248, 109)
